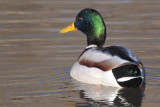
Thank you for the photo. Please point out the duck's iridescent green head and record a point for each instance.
(90, 22)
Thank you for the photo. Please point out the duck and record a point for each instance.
(114, 66)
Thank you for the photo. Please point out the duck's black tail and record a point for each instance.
(128, 75)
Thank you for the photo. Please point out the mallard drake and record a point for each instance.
(111, 66)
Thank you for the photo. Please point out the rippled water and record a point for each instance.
(35, 59)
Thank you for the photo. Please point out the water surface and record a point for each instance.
(35, 59)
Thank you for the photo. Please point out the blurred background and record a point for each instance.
(35, 59)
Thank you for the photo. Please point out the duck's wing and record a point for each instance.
(107, 58)
(122, 53)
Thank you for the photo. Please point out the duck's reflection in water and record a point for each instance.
(97, 95)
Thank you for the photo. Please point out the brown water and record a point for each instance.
(35, 59)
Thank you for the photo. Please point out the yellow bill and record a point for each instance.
(69, 28)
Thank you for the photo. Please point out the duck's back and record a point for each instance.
(113, 66)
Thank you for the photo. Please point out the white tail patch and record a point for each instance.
(123, 79)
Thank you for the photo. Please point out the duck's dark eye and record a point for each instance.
(80, 18)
